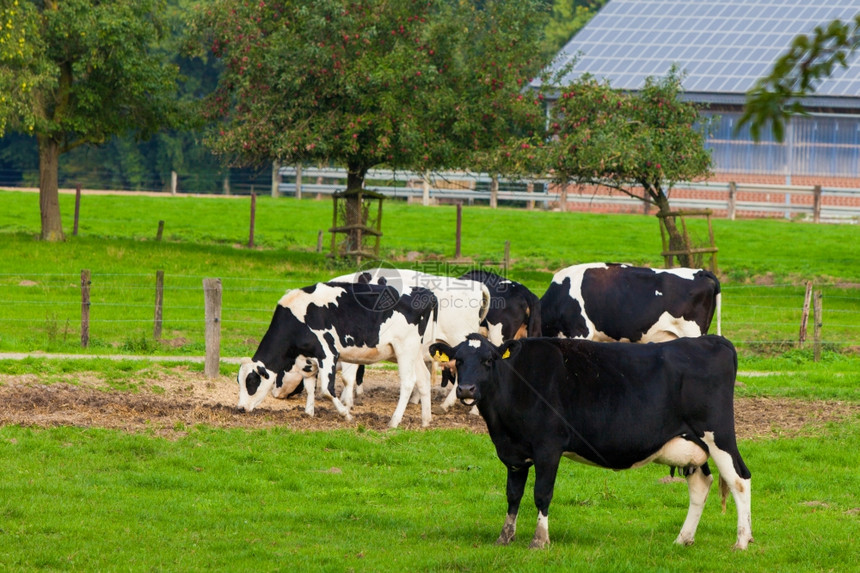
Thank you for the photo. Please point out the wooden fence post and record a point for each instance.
(160, 231)
(530, 188)
(212, 293)
(733, 189)
(85, 308)
(299, 181)
(459, 233)
(174, 182)
(253, 217)
(319, 240)
(159, 304)
(77, 208)
(804, 316)
(816, 204)
(819, 320)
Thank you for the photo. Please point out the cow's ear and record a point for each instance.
(441, 351)
(509, 349)
(263, 372)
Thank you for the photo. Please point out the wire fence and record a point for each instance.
(47, 313)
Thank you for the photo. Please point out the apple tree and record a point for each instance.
(637, 143)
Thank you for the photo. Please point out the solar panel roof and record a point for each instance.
(722, 46)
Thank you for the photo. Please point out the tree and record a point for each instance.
(639, 143)
(796, 74)
(414, 84)
(78, 72)
(566, 19)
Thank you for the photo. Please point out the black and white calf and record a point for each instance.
(614, 302)
(358, 323)
(616, 406)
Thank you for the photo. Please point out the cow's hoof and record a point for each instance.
(538, 543)
(309, 412)
(685, 541)
(508, 534)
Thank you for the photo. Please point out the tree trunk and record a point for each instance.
(49, 193)
(354, 183)
(676, 241)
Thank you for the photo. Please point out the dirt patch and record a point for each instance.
(177, 400)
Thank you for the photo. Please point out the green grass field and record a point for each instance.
(90, 499)
(96, 500)
(764, 266)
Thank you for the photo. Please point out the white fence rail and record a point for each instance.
(725, 198)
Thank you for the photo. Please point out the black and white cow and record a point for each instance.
(463, 304)
(359, 323)
(514, 310)
(615, 302)
(616, 406)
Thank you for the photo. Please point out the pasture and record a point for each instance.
(142, 465)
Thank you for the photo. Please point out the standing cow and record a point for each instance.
(514, 310)
(616, 406)
(615, 302)
(359, 323)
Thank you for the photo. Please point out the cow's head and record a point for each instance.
(474, 361)
(255, 381)
(289, 382)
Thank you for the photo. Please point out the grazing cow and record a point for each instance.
(613, 302)
(616, 406)
(463, 305)
(514, 310)
(359, 323)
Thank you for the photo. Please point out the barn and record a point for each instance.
(723, 47)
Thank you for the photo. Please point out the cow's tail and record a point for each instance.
(485, 302)
(719, 312)
(718, 304)
(434, 318)
(718, 300)
(534, 327)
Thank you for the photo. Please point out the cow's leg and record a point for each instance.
(450, 398)
(422, 382)
(327, 372)
(545, 473)
(698, 485)
(517, 477)
(737, 477)
(409, 374)
(415, 398)
(348, 373)
(310, 388)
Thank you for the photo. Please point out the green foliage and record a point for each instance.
(429, 500)
(80, 71)
(370, 82)
(776, 96)
(637, 143)
(566, 19)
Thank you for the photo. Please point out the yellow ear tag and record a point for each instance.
(441, 357)
(507, 353)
